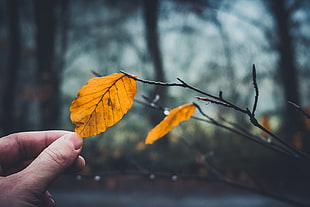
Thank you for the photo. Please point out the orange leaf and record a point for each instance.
(265, 120)
(101, 103)
(175, 116)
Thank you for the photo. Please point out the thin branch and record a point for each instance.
(256, 90)
(276, 146)
(96, 74)
(247, 135)
(298, 154)
(185, 85)
(221, 94)
(212, 101)
(296, 106)
(223, 102)
(251, 115)
(152, 82)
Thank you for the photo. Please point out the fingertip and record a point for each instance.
(74, 140)
(56, 159)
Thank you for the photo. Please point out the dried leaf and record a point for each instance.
(175, 116)
(101, 103)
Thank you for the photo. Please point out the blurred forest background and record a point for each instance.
(48, 49)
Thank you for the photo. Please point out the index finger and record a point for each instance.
(26, 145)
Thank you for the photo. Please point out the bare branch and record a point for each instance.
(221, 94)
(300, 109)
(223, 102)
(152, 82)
(96, 74)
(256, 90)
(212, 101)
(243, 133)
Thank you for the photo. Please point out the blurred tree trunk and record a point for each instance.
(8, 115)
(152, 38)
(47, 75)
(287, 70)
(63, 31)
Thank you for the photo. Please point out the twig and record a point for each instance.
(185, 85)
(152, 82)
(223, 102)
(96, 74)
(212, 101)
(277, 147)
(297, 153)
(215, 99)
(256, 90)
(299, 109)
(246, 134)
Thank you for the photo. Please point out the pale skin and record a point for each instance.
(31, 161)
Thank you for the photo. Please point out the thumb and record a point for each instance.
(54, 160)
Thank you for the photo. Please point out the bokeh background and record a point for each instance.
(49, 48)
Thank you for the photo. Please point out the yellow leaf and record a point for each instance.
(175, 116)
(101, 103)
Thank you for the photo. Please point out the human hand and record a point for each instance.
(31, 161)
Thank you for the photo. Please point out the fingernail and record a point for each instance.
(51, 200)
(74, 140)
(53, 203)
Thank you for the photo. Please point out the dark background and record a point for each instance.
(48, 49)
